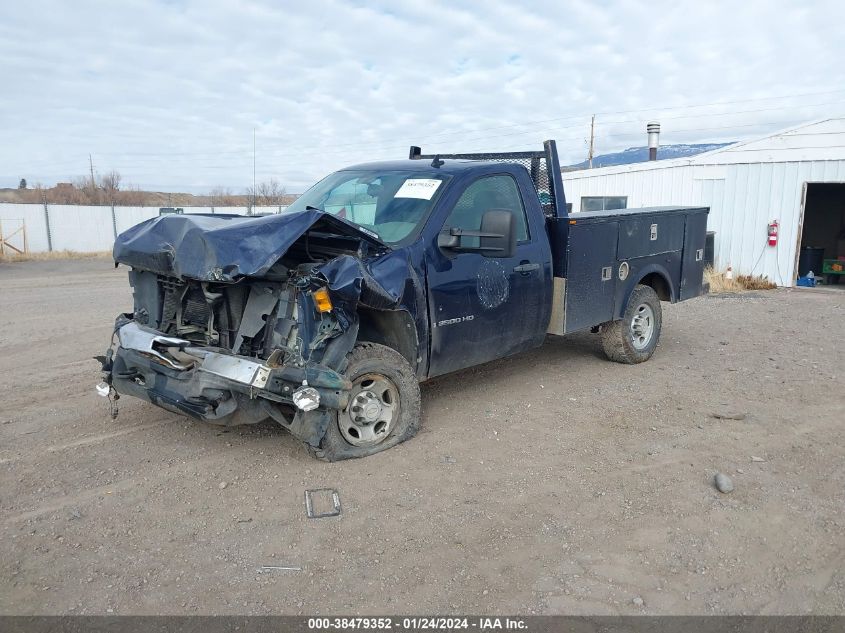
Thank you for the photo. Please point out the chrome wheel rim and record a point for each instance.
(372, 411)
(642, 326)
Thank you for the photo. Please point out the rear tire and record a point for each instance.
(633, 338)
(384, 407)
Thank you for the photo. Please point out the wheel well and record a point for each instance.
(659, 284)
(393, 329)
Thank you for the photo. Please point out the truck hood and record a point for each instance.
(224, 247)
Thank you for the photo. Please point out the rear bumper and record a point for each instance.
(210, 384)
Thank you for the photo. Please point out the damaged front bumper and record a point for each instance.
(215, 385)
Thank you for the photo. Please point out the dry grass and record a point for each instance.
(720, 283)
(8, 258)
(755, 283)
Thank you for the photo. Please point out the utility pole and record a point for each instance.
(592, 140)
(253, 170)
(91, 165)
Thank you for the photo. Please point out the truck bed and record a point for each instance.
(607, 253)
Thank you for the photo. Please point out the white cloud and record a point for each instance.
(168, 93)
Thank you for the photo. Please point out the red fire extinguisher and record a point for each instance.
(773, 233)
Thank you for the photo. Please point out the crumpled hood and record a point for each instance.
(222, 247)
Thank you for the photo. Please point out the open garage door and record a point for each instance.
(822, 246)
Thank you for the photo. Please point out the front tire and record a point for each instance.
(384, 406)
(633, 338)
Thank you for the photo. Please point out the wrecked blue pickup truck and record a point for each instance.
(326, 318)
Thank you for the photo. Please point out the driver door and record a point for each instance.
(484, 307)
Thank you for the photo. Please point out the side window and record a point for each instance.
(603, 203)
(490, 192)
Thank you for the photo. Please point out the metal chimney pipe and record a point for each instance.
(653, 130)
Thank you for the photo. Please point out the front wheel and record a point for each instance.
(633, 338)
(384, 405)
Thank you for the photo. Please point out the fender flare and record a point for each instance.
(649, 270)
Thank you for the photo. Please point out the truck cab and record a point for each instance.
(472, 289)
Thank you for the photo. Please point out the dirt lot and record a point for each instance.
(552, 482)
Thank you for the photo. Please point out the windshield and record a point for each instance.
(390, 203)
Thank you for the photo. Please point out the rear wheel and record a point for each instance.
(633, 338)
(383, 409)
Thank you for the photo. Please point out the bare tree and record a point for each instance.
(81, 191)
(222, 197)
(39, 193)
(270, 193)
(105, 190)
(110, 183)
(110, 188)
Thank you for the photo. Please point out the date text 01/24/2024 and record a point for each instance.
(417, 624)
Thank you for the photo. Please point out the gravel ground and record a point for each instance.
(551, 482)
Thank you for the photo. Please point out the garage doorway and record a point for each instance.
(823, 233)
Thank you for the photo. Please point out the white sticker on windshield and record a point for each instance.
(422, 188)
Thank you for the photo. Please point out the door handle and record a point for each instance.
(525, 268)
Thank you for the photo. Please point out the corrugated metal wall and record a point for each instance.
(86, 229)
(743, 199)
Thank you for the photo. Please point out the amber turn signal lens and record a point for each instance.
(322, 301)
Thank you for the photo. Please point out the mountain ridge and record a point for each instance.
(640, 154)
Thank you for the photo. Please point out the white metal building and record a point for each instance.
(796, 177)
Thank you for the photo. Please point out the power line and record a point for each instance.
(394, 145)
(139, 162)
(143, 164)
(535, 122)
(662, 119)
(650, 110)
(666, 109)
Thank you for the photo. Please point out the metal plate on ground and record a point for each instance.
(321, 503)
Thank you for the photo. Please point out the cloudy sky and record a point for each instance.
(169, 93)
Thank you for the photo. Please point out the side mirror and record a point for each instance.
(498, 227)
(497, 237)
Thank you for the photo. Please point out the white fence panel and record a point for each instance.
(280, 208)
(89, 228)
(127, 217)
(81, 228)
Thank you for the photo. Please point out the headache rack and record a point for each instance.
(543, 166)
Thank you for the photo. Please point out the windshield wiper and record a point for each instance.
(308, 207)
